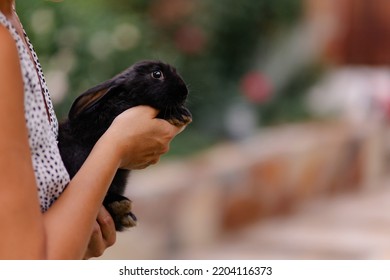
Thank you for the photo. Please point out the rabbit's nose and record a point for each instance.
(182, 94)
(183, 90)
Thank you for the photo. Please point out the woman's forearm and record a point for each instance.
(70, 220)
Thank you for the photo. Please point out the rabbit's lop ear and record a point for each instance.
(88, 101)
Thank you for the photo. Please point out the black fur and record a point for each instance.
(150, 83)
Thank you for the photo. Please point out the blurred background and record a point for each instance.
(288, 153)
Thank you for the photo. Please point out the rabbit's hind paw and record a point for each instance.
(121, 212)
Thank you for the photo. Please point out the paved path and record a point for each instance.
(348, 226)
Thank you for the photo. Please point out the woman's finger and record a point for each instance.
(107, 227)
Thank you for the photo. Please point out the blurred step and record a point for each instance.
(350, 226)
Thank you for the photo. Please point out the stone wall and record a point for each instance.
(193, 203)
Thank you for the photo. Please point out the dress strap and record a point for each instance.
(38, 69)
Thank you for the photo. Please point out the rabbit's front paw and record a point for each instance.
(122, 215)
(180, 116)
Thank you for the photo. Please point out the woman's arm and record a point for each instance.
(22, 233)
(70, 220)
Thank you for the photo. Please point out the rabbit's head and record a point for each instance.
(150, 83)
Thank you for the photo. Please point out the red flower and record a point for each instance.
(168, 13)
(190, 39)
(256, 87)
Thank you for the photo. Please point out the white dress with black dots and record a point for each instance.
(50, 173)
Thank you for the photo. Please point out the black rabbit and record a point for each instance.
(150, 83)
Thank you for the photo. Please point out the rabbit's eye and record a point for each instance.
(157, 75)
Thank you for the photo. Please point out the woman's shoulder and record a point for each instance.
(9, 56)
(7, 46)
(9, 59)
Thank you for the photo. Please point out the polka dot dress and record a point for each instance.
(50, 173)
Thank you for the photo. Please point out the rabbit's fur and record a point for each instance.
(150, 83)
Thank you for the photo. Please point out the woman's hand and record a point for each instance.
(103, 235)
(139, 138)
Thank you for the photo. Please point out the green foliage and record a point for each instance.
(92, 40)
(289, 104)
(237, 31)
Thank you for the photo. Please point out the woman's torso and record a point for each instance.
(50, 173)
